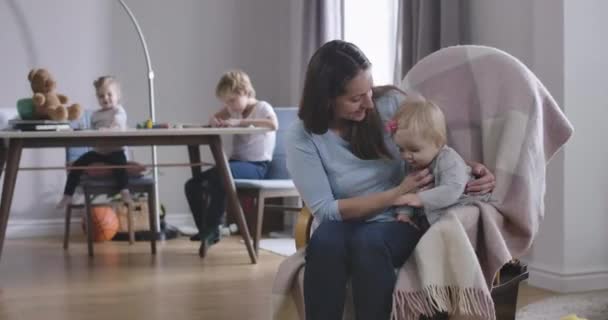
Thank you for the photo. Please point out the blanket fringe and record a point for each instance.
(471, 302)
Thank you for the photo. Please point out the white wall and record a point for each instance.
(191, 43)
(68, 37)
(532, 31)
(503, 24)
(586, 100)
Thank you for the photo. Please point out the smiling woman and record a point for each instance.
(346, 172)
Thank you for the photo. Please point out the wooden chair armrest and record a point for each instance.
(303, 226)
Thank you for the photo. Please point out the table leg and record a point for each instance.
(234, 206)
(12, 165)
(2, 156)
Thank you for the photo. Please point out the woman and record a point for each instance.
(350, 175)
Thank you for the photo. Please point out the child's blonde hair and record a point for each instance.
(423, 118)
(234, 81)
(104, 81)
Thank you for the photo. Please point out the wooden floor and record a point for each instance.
(38, 280)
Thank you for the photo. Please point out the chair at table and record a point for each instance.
(277, 183)
(96, 184)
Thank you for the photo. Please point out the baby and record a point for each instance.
(419, 129)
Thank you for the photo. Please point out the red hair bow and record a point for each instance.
(391, 126)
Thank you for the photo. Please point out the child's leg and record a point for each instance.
(217, 200)
(217, 206)
(119, 158)
(240, 170)
(74, 175)
(195, 189)
(248, 170)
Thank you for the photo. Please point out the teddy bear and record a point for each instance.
(47, 103)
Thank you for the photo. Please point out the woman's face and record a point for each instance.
(354, 104)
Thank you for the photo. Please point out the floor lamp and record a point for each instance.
(152, 109)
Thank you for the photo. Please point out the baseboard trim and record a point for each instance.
(547, 278)
(32, 228)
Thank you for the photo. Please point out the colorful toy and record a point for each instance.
(26, 108)
(148, 124)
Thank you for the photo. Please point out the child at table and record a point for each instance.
(251, 153)
(110, 116)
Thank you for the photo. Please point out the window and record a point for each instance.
(372, 26)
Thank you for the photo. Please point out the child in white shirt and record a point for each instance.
(251, 153)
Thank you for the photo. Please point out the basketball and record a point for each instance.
(104, 223)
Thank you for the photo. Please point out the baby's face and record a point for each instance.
(108, 96)
(235, 103)
(416, 150)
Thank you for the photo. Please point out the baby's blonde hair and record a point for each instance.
(235, 81)
(104, 81)
(423, 118)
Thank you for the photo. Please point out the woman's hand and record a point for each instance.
(416, 180)
(408, 199)
(484, 180)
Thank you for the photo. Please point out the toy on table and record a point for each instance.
(47, 104)
(148, 124)
(28, 120)
(25, 108)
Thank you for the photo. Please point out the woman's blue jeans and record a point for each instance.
(365, 252)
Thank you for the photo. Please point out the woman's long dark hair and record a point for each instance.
(329, 71)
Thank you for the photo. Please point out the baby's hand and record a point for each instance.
(406, 219)
(114, 126)
(402, 217)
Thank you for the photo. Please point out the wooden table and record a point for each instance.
(16, 141)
